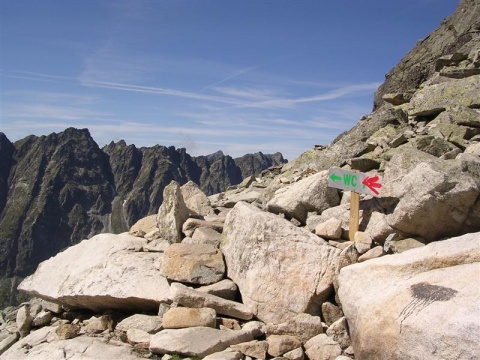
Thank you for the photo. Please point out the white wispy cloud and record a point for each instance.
(237, 98)
(330, 95)
(234, 75)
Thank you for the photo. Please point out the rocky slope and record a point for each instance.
(268, 268)
(59, 189)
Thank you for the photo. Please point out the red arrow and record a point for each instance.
(371, 182)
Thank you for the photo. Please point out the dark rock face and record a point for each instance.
(458, 32)
(58, 193)
(59, 189)
(254, 164)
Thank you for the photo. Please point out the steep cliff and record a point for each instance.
(457, 33)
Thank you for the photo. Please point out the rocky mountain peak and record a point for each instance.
(458, 33)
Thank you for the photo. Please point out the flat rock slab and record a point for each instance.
(196, 299)
(433, 99)
(198, 341)
(280, 270)
(100, 274)
(193, 263)
(421, 304)
(44, 344)
(148, 323)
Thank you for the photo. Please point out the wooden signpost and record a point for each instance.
(358, 183)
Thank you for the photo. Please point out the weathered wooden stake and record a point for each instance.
(354, 214)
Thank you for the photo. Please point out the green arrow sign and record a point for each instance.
(334, 177)
(354, 181)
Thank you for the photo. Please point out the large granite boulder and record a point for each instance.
(310, 194)
(421, 304)
(433, 99)
(436, 197)
(99, 274)
(296, 267)
(193, 263)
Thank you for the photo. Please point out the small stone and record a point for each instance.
(24, 320)
(43, 318)
(255, 348)
(148, 323)
(281, 344)
(225, 289)
(330, 229)
(163, 308)
(51, 306)
(67, 331)
(137, 336)
(227, 323)
(377, 251)
(321, 347)
(338, 331)
(100, 324)
(331, 313)
(183, 317)
(363, 241)
(295, 354)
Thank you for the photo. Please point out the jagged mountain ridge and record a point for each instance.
(58, 189)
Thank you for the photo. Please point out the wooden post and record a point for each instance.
(354, 214)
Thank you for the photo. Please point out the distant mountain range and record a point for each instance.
(58, 189)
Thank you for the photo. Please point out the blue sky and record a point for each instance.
(237, 76)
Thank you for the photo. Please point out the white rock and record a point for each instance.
(330, 229)
(137, 336)
(295, 354)
(191, 225)
(296, 267)
(196, 201)
(24, 320)
(363, 241)
(321, 347)
(302, 326)
(100, 274)
(255, 349)
(42, 318)
(377, 251)
(338, 331)
(416, 299)
(51, 306)
(196, 299)
(44, 344)
(437, 197)
(193, 263)
(225, 288)
(197, 341)
(205, 235)
(184, 317)
(281, 344)
(146, 225)
(172, 213)
(148, 323)
(310, 194)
